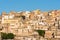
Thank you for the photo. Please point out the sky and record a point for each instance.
(28, 5)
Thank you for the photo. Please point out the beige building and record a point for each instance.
(24, 23)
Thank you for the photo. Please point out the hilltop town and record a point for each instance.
(23, 24)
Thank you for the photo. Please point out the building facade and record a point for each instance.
(24, 24)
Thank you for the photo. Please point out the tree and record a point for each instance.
(7, 36)
(10, 36)
(3, 35)
(41, 32)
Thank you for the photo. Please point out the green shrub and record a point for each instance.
(10, 36)
(41, 32)
(7, 36)
(4, 35)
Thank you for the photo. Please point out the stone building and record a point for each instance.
(23, 24)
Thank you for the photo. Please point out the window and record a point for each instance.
(11, 16)
(6, 17)
(1, 27)
(23, 17)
